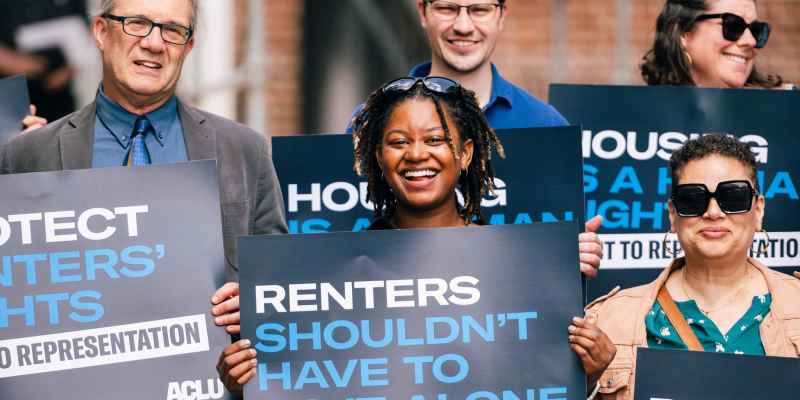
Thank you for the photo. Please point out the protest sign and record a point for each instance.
(106, 276)
(629, 133)
(689, 375)
(445, 314)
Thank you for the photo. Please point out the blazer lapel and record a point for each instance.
(200, 137)
(77, 139)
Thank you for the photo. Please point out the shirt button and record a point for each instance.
(124, 138)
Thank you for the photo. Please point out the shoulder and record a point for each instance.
(524, 103)
(618, 299)
(39, 149)
(231, 134)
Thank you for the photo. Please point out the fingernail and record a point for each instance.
(253, 362)
(576, 319)
(218, 320)
(245, 342)
(252, 352)
(571, 329)
(215, 299)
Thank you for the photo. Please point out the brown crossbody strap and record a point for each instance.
(678, 321)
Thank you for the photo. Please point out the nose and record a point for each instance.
(747, 39)
(418, 151)
(713, 211)
(463, 23)
(153, 42)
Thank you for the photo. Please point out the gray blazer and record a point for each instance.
(250, 196)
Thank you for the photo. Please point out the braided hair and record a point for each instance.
(459, 103)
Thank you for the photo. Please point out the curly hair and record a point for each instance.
(460, 104)
(666, 62)
(712, 144)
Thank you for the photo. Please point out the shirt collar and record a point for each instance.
(119, 121)
(501, 88)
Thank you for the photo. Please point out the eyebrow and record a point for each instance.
(167, 22)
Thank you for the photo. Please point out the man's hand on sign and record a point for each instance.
(236, 366)
(225, 308)
(591, 247)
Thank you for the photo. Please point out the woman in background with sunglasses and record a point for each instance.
(716, 298)
(710, 44)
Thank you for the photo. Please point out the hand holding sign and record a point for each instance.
(592, 346)
(32, 121)
(226, 307)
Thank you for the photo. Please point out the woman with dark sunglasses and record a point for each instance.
(716, 298)
(710, 43)
(417, 140)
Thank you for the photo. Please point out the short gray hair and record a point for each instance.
(106, 6)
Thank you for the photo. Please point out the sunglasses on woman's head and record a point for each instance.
(733, 197)
(733, 27)
(436, 84)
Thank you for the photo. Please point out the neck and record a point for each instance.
(134, 104)
(711, 279)
(440, 217)
(478, 80)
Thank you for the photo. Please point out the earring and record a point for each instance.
(763, 246)
(665, 243)
(688, 58)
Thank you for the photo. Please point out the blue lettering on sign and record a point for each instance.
(626, 180)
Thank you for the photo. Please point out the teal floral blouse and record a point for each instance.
(743, 338)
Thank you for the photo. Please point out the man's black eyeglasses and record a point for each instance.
(141, 27)
(733, 27)
(436, 84)
(733, 197)
(447, 11)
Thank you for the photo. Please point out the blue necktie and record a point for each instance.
(138, 154)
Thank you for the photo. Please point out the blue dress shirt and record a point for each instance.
(114, 125)
(509, 105)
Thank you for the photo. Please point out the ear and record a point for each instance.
(759, 212)
(466, 153)
(100, 31)
(421, 11)
(673, 216)
(501, 22)
(188, 46)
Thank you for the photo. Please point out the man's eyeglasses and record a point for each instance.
(436, 84)
(733, 27)
(733, 197)
(447, 11)
(141, 27)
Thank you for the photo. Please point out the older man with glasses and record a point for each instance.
(136, 119)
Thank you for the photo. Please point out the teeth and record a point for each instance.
(462, 43)
(420, 173)
(149, 64)
(736, 59)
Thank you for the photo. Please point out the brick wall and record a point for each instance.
(574, 41)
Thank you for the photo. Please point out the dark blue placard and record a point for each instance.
(105, 276)
(629, 132)
(687, 375)
(525, 276)
(14, 105)
(539, 181)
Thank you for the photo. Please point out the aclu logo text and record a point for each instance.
(210, 389)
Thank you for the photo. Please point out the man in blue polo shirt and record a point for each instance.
(462, 35)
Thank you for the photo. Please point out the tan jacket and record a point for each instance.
(621, 315)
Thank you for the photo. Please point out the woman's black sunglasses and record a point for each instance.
(436, 84)
(733, 27)
(733, 197)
